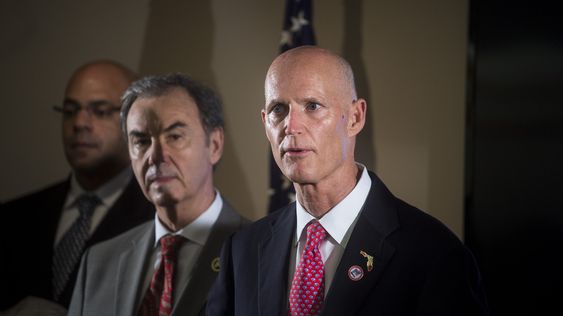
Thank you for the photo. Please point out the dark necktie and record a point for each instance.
(307, 288)
(70, 248)
(158, 299)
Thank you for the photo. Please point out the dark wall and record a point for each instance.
(514, 198)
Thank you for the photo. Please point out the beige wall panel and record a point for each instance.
(408, 56)
(41, 44)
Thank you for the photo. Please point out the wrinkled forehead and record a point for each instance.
(158, 112)
(143, 116)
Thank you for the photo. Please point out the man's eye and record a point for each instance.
(174, 136)
(141, 142)
(102, 111)
(277, 109)
(70, 109)
(312, 106)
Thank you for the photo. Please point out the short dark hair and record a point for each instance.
(208, 102)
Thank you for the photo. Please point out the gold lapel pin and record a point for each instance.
(369, 264)
(215, 265)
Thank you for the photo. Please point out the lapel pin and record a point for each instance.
(369, 264)
(215, 265)
(355, 273)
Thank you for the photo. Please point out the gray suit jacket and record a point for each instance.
(111, 273)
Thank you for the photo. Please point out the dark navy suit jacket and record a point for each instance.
(27, 236)
(419, 268)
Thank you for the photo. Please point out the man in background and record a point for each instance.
(174, 128)
(45, 233)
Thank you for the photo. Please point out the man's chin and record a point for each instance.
(84, 165)
(81, 158)
(163, 199)
(296, 172)
(298, 178)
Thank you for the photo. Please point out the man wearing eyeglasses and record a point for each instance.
(50, 229)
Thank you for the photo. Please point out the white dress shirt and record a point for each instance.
(196, 234)
(108, 194)
(338, 222)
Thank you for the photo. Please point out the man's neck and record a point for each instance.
(93, 180)
(319, 198)
(178, 215)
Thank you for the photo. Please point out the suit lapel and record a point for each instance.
(131, 272)
(47, 220)
(55, 202)
(377, 219)
(273, 264)
(193, 296)
(129, 210)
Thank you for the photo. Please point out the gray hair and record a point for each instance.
(208, 102)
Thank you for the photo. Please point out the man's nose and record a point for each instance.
(294, 121)
(156, 154)
(82, 119)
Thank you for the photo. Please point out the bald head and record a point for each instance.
(312, 116)
(315, 60)
(92, 139)
(109, 71)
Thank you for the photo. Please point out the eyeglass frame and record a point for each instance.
(92, 108)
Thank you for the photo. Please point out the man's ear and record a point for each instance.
(357, 117)
(263, 114)
(216, 143)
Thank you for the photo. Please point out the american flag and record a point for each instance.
(297, 31)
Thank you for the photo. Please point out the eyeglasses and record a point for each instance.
(99, 109)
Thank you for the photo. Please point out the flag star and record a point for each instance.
(285, 181)
(291, 197)
(298, 21)
(286, 38)
(271, 191)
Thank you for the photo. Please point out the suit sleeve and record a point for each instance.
(78, 295)
(220, 301)
(453, 286)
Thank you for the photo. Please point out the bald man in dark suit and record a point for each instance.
(33, 226)
(347, 246)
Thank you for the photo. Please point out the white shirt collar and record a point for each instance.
(197, 231)
(338, 220)
(107, 193)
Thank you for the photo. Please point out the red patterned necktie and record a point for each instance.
(307, 289)
(158, 299)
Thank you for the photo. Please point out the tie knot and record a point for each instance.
(315, 233)
(87, 204)
(170, 244)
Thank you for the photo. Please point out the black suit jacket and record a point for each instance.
(420, 267)
(28, 230)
